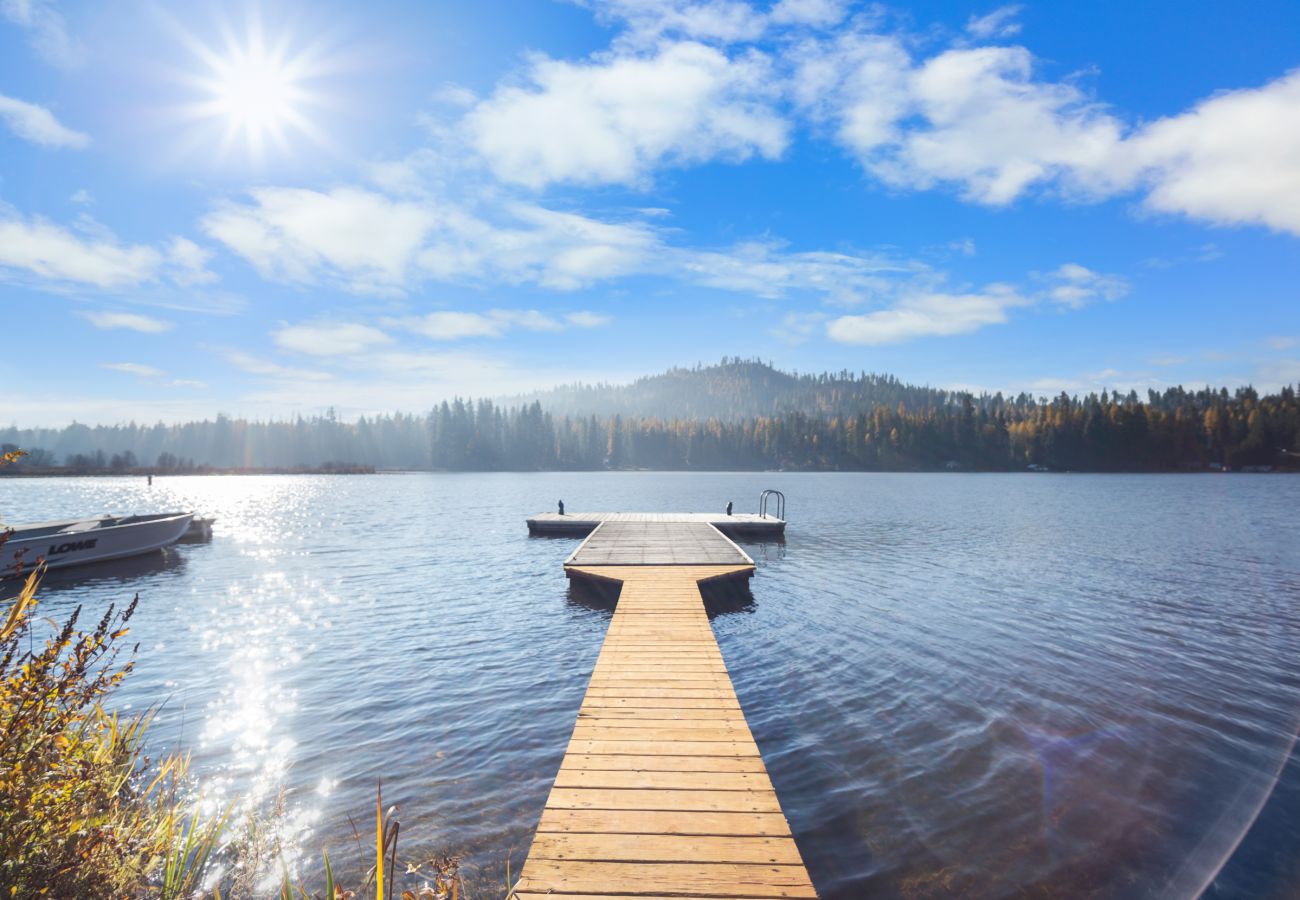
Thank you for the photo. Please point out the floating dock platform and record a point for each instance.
(662, 791)
(620, 543)
(581, 523)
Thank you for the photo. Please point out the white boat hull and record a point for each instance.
(81, 541)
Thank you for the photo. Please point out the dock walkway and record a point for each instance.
(662, 791)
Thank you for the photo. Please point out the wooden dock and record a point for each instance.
(662, 791)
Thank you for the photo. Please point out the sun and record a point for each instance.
(256, 92)
(257, 95)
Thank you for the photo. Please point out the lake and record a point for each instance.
(962, 685)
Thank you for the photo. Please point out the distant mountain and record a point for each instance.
(734, 389)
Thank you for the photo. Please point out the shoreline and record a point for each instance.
(57, 472)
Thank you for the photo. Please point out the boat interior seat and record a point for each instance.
(76, 527)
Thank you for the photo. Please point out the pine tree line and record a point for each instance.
(922, 429)
(1171, 431)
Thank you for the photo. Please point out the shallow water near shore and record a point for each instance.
(962, 685)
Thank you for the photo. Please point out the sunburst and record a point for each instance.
(258, 92)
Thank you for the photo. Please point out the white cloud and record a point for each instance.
(81, 197)
(1276, 374)
(858, 83)
(927, 314)
(998, 24)
(1076, 286)
(919, 306)
(768, 271)
(329, 338)
(615, 119)
(38, 125)
(1230, 160)
(137, 369)
(188, 263)
(452, 326)
(91, 255)
(818, 13)
(1113, 380)
(257, 366)
(365, 241)
(455, 95)
(558, 250)
(51, 252)
(587, 319)
(981, 121)
(129, 321)
(973, 118)
(1169, 360)
(991, 129)
(1280, 342)
(647, 21)
(519, 243)
(359, 238)
(49, 35)
(796, 328)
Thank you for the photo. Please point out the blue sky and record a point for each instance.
(272, 209)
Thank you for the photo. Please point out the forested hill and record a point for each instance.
(737, 415)
(733, 390)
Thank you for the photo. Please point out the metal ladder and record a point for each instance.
(780, 504)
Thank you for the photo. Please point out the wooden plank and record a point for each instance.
(636, 665)
(665, 848)
(666, 655)
(733, 722)
(639, 662)
(665, 748)
(668, 713)
(671, 780)
(667, 799)
(552, 895)
(595, 701)
(651, 822)
(684, 681)
(667, 732)
(630, 762)
(749, 879)
(597, 691)
(653, 675)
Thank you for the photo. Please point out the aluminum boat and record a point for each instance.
(76, 541)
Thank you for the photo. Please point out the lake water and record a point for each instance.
(962, 685)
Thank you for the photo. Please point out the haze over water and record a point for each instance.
(962, 685)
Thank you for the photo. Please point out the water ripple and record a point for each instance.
(982, 686)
